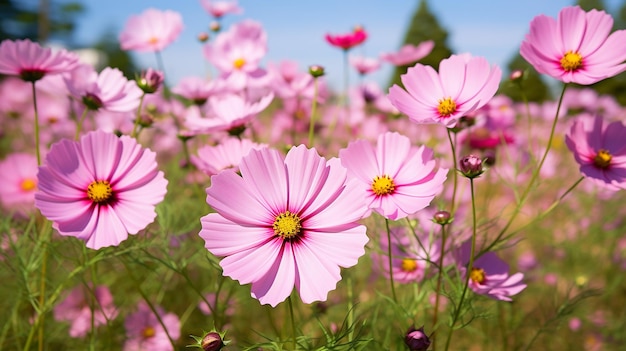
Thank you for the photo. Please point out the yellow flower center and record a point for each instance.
(383, 185)
(148, 332)
(602, 159)
(28, 184)
(446, 107)
(571, 61)
(99, 191)
(153, 41)
(409, 265)
(238, 63)
(287, 225)
(477, 275)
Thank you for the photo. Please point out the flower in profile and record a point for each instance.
(490, 275)
(219, 9)
(576, 47)
(99, 189)
(364, 65)
(78, 306)
(144, 331)
(598, 147)
(349, 40)
(109, 90)
(198, 90)
(31, 62)
(464, 84)
(151, 31)
(409, 53)
(285, 222)
(397, 179)
(150, 80)
(18, 172)
(226, 155)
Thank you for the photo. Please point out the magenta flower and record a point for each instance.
(599, 149)
(109, 90)
(576, 47)
(463, 85)
(145, 332)
(409, 53)
(285, 222)
(218, 9)
(226, 155)
(78, 306)
(152, 30)
(32, 62)
(99, 189)
(490, 275)
(18, 173)
(349, 40)
(397, 179)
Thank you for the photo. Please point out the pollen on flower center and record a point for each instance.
(383, 185)
(238, 63)
(28, 184)
(148, 332)
(446, 107)
(287, 225)
(153, 40)
(99, 191)
(571, 61)
(408, 265)
(477, 275)
(602, 159)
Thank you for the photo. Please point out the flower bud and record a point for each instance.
(212, 341)
(516, 75)
(442, 217)
(215, 26)
(471, 166)
(316, 71)
(416, 339)
(150, 80)
(203, 37)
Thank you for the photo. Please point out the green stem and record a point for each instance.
(135, 133)
(293, 323)
(350, 308)
(313, 110)
(390, 256)
(37, 152)
(454, 173)
(468, 269)
(79, 123)
(438, 289)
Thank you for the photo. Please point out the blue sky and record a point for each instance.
(296, 29)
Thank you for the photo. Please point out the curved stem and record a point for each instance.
(393, 289)
(79, 123)
(135, 133)
(457, 313)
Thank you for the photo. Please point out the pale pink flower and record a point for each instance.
(218, 9)
(288, 82)
(599, 149)
(152, 30)
(32, 62)
(144, 331)
(396, 178)
(409, 53)
(79, 306)
(285, 222)
(99, 189)
(109, 90)
(226, 155)
(198, 90)
(18, 174)
(463, 84)
(576, 47)
(364, 65)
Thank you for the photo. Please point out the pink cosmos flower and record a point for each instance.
(396, 178)
(99, 189)
(409, 53)
(18, 174)
(152, 30)
(490, 275)
(599, 149)
(364, 65)
(218, 9)
(32, 62)
(226, 155)
(197, 89)
(464, 84)
(349, 40)
(285, 222)
(109, 90)
(576, 47)
(78, 306)
(145, 332)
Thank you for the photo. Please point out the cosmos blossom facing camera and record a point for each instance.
(152, 30)
(146, 331)
(464, 84)
(285, 222)
(99, 189)
(576, 47)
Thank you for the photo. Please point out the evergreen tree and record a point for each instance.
(424, 26)
(588, 5)
(53, 20)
